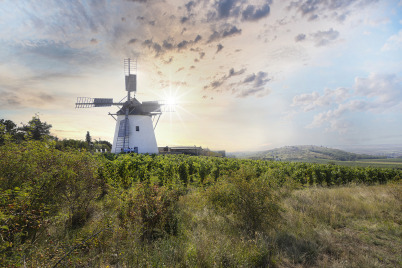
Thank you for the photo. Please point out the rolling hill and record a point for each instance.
(307, 152)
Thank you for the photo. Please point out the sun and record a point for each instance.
(171, 101)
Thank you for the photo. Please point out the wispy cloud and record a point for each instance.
(394, 42)
(323, 38)
(377, 93)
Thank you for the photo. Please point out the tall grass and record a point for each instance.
(350, 226)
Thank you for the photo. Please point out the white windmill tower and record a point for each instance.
(134, 120)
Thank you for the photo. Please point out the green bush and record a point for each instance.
(38, 183)
(152, 208)
(251, 205)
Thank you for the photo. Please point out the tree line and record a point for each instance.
(38, 130)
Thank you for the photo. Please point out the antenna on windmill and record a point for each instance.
(130, 72)
(134, 130)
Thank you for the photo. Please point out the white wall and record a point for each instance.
(144, 139)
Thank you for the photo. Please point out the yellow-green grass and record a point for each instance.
(353, 226)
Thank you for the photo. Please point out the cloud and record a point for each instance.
(16, 99)
(300, 37)
(394, 42)
(214, 36)
(236, 9)
(384, 90)
(168, 45)
(220, 47)
(227, 31)
(231, 31)
(182, 44)
(153, 46)
(226, 7)
(9, 100)
(197, 38)
(217, 83)
(253, 14)
(190, 5)
(311, 101)
(339, 9)
(184, 19)
(377, 93)
(52, 49)
(323, 38)
(232, 72)
(252, 85)
(258, 80)
(259, 92)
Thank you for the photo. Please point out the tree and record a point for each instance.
(9, 126)
(36, 129)
(88, 138)
(9, 129)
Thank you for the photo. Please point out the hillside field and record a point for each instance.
(323, 155)
(66, 208)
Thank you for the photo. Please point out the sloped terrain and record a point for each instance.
(306, 152)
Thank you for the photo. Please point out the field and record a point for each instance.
(378, 163)
(324, 155)
(63, 208)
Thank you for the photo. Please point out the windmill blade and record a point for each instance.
(151, 107)
(85, 102)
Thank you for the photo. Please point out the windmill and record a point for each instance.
(135, 121)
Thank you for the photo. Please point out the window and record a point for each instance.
(137, 128)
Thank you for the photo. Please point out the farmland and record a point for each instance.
(73, 208)
(324, 155)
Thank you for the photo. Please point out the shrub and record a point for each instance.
(38, 182)
(254, 204)
(152, 208)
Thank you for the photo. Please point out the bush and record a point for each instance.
(37, 183)
(253, 204)
(152, 208)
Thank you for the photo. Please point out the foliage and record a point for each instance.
(36, 129)
(67, 206)
(252, 203)
(152, 208)
(38, 185)
(88, 138)
(9, 130)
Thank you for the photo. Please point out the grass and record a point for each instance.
(355, 226)
(348, 226)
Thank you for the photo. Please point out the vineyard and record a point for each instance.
(73, 208)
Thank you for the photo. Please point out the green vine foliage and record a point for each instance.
(47, 194)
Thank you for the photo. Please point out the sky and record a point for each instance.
(245, 75)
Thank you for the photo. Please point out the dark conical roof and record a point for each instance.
(135, 107)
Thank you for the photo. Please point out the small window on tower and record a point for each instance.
(137, 128)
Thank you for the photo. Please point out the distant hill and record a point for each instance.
(388, 150)
(306, 152)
